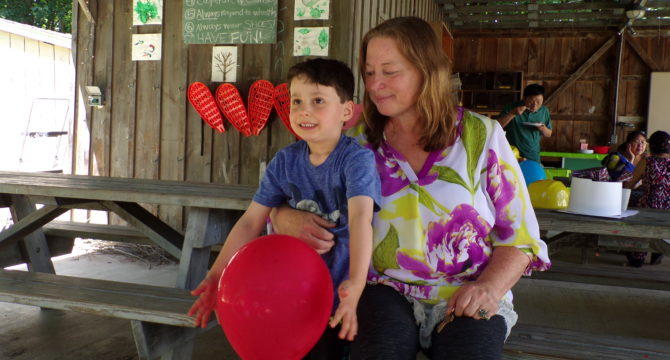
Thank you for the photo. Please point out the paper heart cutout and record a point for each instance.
(230, 102)
(282, 100)
(358, 110)
(202, 100)
(260, 104)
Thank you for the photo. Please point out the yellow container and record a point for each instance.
(549, 194)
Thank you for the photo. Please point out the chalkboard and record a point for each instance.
(230, 21)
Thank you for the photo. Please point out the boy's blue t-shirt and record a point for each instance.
(323, 190)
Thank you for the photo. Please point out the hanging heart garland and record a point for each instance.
(282, 101)
(260, 104)
(202, 100)
(230, 102)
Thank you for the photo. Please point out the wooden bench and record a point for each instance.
(528, 342)
(70, 229)
(603, 274)
(146, 305)
(60, 237)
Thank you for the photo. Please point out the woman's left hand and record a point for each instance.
(473, 300)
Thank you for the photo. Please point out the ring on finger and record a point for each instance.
(483, 314)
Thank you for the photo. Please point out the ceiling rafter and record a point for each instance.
(533, 14)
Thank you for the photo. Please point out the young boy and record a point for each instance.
(325, 173)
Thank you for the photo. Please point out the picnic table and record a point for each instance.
(158, 315)
(634, 233)
(648, 223)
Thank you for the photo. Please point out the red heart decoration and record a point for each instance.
(203, 101)
(260, 104)
(230, 103)
(282, 101)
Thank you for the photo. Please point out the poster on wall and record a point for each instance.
(224, 64)
(146, 47)
(147, 12)
(311, 41)
(311, 9)
(230, 21)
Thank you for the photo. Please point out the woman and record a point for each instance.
(621, 163)
(456, 230)
(654, 171)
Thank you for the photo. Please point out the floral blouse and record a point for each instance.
(656, 180)
(437, 229)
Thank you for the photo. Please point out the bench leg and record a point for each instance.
(35, 244)
(164, 341)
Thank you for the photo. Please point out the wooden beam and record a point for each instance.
(29, 223)
(582, 69)
(148, 224)
(87, 11)
(648, 60)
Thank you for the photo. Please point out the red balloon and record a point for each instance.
(275, 298)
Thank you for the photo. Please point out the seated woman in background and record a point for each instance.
(621, 163)
(654, 171)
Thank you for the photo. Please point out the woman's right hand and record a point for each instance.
(311, 228)
(203, 307)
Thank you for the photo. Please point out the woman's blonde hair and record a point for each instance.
(419, 44)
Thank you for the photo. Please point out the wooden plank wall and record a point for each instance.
(585, 109)
(147, 128)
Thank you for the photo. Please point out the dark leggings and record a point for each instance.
(329, 347)
(387, 330)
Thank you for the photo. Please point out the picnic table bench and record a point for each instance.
(158, 314)
(529, 342)
(630, 233)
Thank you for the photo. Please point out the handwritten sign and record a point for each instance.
(230, 21)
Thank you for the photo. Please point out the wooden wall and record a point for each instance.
(584, 109)
(147, 128)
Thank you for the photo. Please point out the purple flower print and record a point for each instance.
(393, 178)
(502, 192)
(457, 244)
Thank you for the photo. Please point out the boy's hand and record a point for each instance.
(204, 305)
(345, 314)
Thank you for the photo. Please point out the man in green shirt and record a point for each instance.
(525, 121)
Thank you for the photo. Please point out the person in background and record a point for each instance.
(654, 171)
(525, 121)
(621, 163)
(456, 229)
(326, 174)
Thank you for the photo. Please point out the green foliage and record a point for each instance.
(53, 15)
(323, 39)
(146, 11)
(316, 12)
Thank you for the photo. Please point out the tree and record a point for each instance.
(53, 15)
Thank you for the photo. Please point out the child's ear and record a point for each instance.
(348, 110)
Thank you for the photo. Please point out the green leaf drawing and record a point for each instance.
(304, 31)
(301, 12)
(306, 51)
(146, 11)
(448, 174)
(384, 255)
(316, 12)
(323, 39)
(474, 137)
(428, 200)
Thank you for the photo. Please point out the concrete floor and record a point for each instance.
(28, 333)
